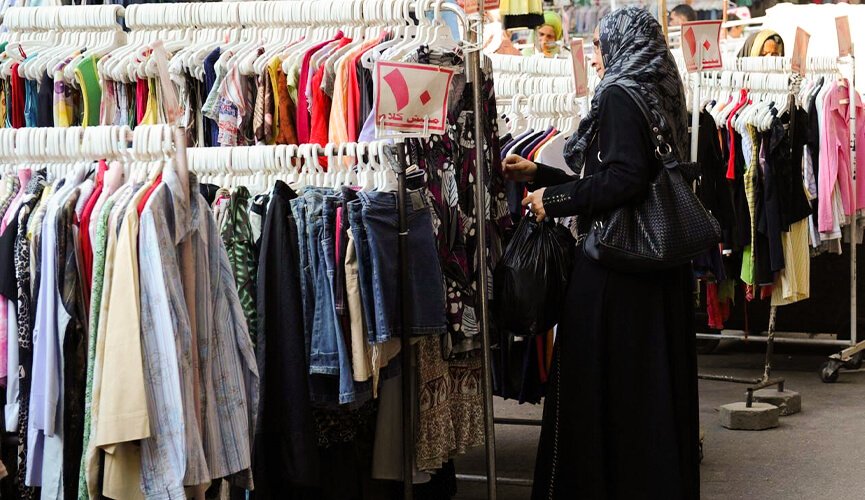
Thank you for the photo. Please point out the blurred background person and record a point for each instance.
(766, 43)
(682, 14)
(548, 37)
(734, 32)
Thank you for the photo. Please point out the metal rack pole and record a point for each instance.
(405, 342)
(853, 225)
(482, 306)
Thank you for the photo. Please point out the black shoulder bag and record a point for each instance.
(666, 228)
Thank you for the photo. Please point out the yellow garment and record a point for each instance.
(794, 281)
(2, 106)
(122, 410)
(519, 7)
(273, 69)
(151, 112)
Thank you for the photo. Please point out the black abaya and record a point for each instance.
(621, 417)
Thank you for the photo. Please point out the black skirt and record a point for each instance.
(621, 414)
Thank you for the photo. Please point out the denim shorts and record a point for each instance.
(332, 334)
(364, 267)
(425, 291)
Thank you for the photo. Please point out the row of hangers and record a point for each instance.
(540, 66)
(367, 165)
(542, 111)
(51, 18)
(252, 33)
(249, 34)
(508, 85)
(134, 156)
(85, 143)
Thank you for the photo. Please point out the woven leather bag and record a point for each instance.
(666, 228)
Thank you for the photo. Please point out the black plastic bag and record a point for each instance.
(531, 280)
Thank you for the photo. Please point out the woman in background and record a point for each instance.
(548, 36)
(764, 43)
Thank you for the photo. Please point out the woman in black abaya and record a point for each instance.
(620, 419)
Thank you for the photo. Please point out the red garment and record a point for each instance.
(150, 190)
(321, 105)
(731, 163)
(16, 114)
(546, 139)
(302, 124)
(718, 311)
(542, 366)
(320, 114)
(141, 95)
(84, 232)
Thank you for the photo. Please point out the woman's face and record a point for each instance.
(546, 34)
(770, 48)
(597, 57)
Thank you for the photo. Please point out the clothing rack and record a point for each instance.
(772, 74)
(185, 22)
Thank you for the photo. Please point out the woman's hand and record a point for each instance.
(535, 202)
(517, 168)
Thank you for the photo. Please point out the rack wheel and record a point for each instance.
(829, 372)
(855, 362)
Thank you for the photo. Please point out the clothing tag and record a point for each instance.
(416, 200)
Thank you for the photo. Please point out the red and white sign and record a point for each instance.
(411, 98)
(471, 6)
(701, 45)
(578, 58)
(845, 42)
(800, 51)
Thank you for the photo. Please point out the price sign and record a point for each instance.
(578, 58)
(701, 45)
(411, 98)
(800, 51)
(845, 42)
(471, 6)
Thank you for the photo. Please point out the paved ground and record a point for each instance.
(819, 453)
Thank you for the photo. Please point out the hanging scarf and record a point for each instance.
(636, 56)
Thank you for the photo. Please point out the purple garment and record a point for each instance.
(527, 150)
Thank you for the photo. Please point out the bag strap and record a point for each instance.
(663, 149)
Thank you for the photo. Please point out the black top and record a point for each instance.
(620, 164)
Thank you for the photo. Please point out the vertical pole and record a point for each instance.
(695, 115)
(770, 344)
(405, 342)
(662, 17)
(482, 304)
(853, 226)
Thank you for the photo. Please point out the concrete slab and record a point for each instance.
(757, 417)
(789, 402)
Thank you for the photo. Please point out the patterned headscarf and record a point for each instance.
(636, 56)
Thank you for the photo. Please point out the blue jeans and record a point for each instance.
(298, 209)
(364, 267)
(333, 333)
(424, 291)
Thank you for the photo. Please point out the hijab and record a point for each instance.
(553, 20)
(636, 56)
(754, 43)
